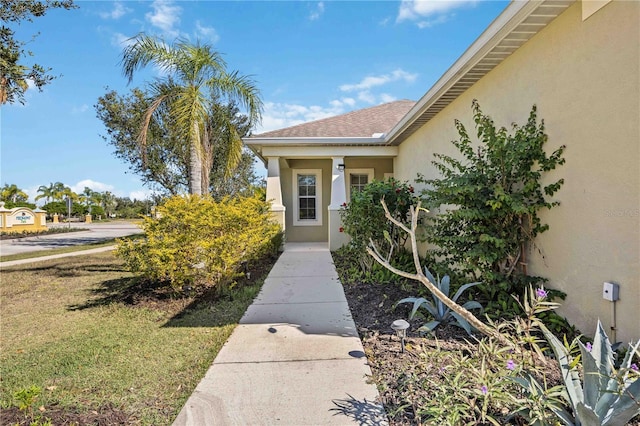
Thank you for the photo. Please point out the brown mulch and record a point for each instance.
(373, 312)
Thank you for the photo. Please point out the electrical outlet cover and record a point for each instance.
(610, 291)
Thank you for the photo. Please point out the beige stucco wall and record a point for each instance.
(585, 79)
(320, 233)
(306, 233)
(380, 165)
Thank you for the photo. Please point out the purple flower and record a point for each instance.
(588, 346)
(541, 293)
(484, 390)
(634, 367)
(511, 365)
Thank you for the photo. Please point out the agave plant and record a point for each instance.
(606, 397)
(440, 312)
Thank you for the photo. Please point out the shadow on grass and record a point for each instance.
(131, 291)
(64, 268)
(208, 308)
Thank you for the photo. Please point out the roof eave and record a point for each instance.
(469, 68)
(255, 144)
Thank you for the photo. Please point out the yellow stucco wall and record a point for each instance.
(22, 219)
(584, 77)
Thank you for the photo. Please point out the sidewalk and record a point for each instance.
(55, 256)
(294, 359)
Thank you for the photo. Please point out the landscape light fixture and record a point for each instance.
(400, 326)
(340, 167)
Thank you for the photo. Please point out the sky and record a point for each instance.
(310, 60)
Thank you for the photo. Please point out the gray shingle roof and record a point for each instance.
(360, 123)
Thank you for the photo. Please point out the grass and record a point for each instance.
(62, 250)
(69, 328)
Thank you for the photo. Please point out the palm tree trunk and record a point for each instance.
(195, 171)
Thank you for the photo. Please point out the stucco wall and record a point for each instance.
(380, 165)
(585, 79)
(306, 233)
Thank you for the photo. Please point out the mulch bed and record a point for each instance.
(373, 313)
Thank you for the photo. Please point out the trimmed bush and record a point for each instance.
(199, 242)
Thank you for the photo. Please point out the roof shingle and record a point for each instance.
(361, 123)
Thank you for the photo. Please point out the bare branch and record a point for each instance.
(419, 276)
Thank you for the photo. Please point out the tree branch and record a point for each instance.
(419, 276)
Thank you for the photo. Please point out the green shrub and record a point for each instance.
(200, 242)
(496, 192)
(364, 218)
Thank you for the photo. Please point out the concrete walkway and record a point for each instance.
(55, 256)
(294, 359)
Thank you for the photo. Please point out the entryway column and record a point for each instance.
(274, 190)
(337, 238)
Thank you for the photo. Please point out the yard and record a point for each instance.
(83, 342)
(101, 349)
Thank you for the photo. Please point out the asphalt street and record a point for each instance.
(94, 233)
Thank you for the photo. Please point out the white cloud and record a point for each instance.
(118, 11)
(385, 97)
(96, 186)
(349, 101)
(80, 109)
(165, 16)
(281, 115)
(32, 192)
(367, 96)
(439, 20)
(120, 40)
(317, 12)
(142, 194)
(208, 33)
(416, 10)
(379, 80)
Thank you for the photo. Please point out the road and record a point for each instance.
(96, 232)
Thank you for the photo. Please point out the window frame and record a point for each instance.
(296, 206)
(348, 172)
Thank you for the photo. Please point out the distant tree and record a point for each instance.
(60, 207)
(14, 74)
(131, 209)
(47, 192)
(13, 193)
(89, 198)
(11, 205)
(164, 163)
(109, 203)
(198, 81)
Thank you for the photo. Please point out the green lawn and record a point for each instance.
(80, 329)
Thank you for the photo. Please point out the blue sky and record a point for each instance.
(311, 60)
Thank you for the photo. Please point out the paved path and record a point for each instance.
(294, 359)
(96, 232)
(56, 256)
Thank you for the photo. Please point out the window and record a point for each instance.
(307, 197)
(357, 182)
(357, 179)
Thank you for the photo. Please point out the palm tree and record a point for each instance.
(197, 81)
(109, 203)
(13, 193)
(54, 192)
(46, 192)
(90, 198)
